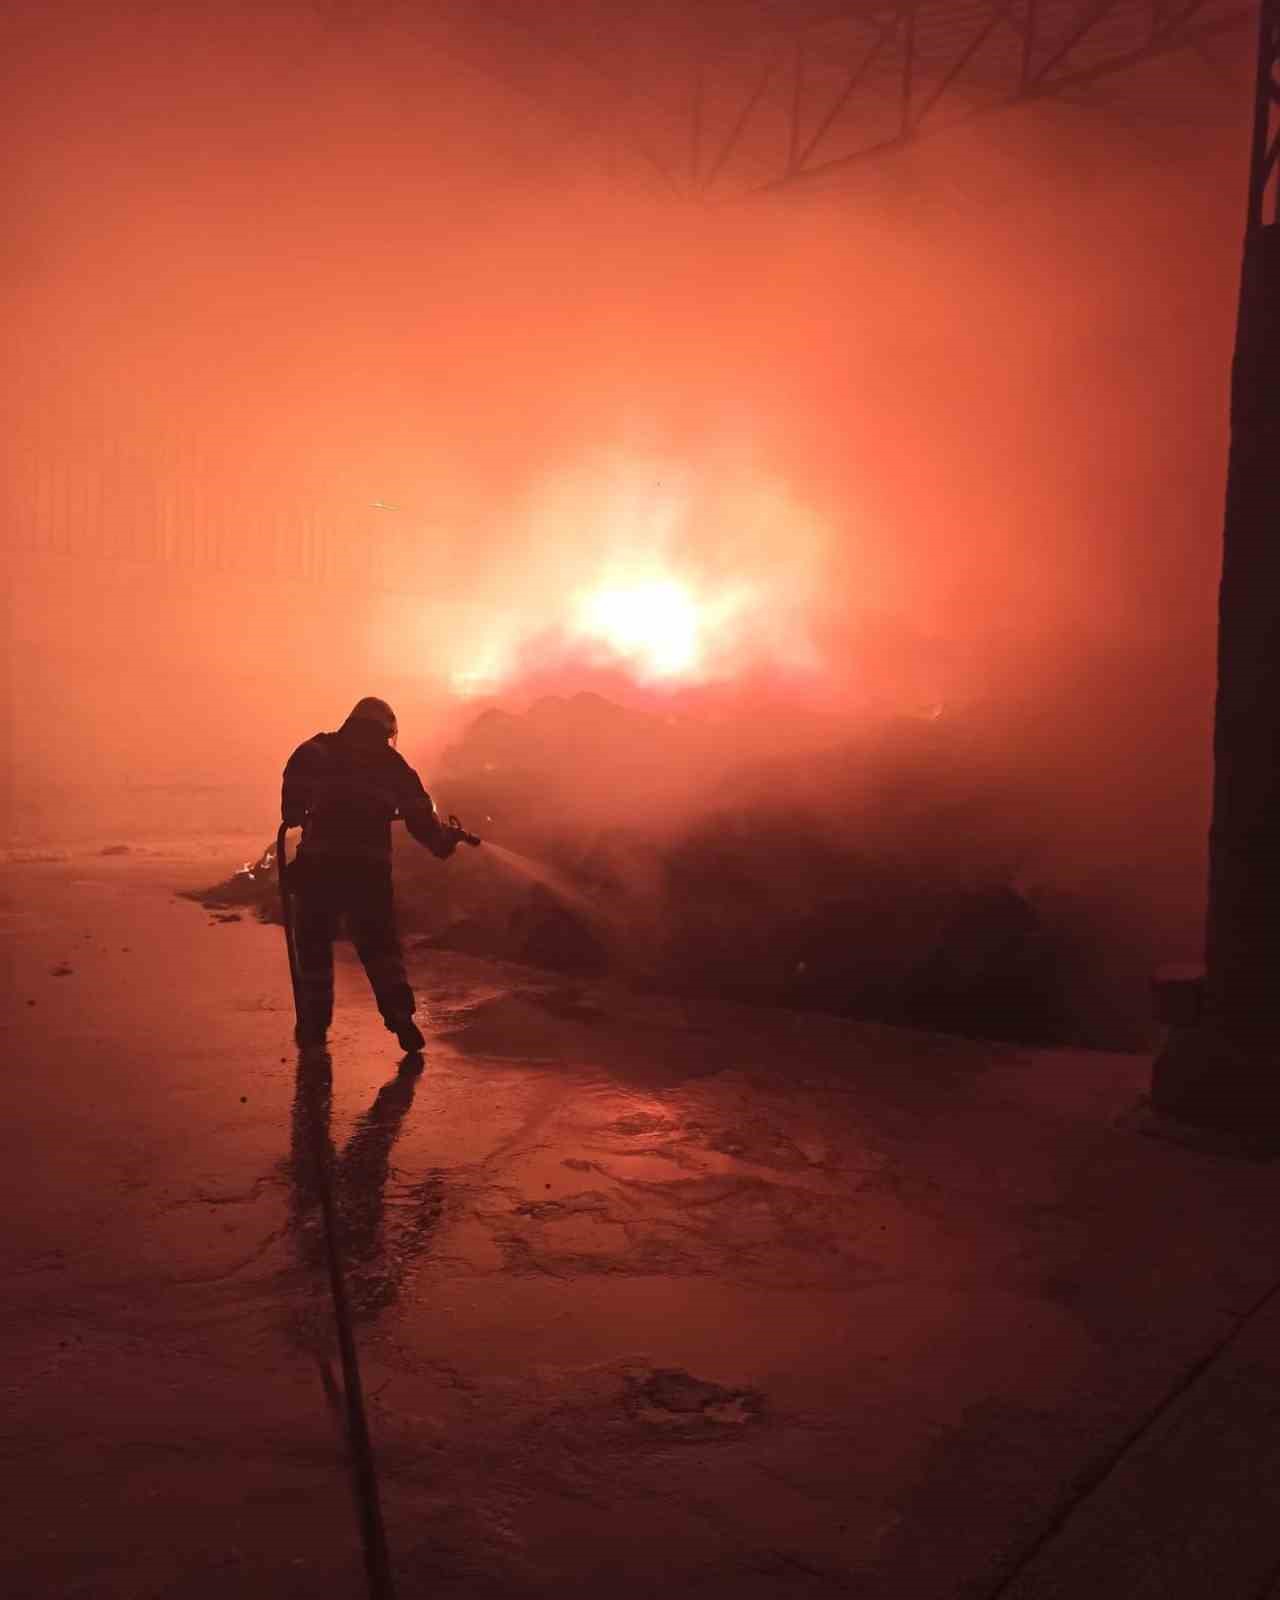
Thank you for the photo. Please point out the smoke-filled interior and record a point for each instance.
(819, 583)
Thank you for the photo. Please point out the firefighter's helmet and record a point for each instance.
(371, 709)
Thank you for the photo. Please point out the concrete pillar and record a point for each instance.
(1221, 1065)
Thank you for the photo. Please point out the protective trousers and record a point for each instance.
(326, 892)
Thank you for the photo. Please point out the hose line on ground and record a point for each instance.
(363, 1469)
(360, 1447)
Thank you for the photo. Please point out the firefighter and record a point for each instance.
(343, 789)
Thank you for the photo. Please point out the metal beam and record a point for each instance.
(759, 49)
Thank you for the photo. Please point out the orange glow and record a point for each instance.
(668, 572)
(656, 626)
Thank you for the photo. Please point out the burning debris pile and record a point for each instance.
(884, 876)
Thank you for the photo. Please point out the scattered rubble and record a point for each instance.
(669, 1396)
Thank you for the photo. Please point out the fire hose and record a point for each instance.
(363, 1470)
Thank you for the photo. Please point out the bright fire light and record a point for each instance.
(654, 625)
(666, 573)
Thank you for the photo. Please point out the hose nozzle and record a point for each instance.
(454, 826)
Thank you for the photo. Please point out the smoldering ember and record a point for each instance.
(640, 847)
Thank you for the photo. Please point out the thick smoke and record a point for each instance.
(346, 369)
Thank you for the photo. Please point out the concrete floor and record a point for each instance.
(650, 1298)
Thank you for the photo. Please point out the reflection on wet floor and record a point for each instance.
(379, 1242)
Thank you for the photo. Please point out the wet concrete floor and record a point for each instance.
(651, 1296)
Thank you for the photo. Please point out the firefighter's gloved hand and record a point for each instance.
(463, 836)
(444, 844)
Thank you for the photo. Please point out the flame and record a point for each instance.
(670, 574)
(657, 626)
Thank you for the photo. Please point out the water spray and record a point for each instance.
(557, 885)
